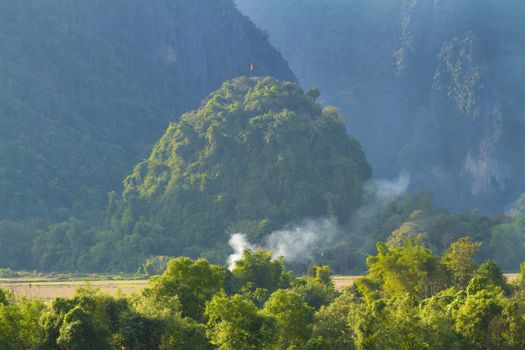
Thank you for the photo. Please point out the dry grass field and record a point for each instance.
(48, 289)
(342, 282)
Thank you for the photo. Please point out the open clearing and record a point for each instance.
(49, 289)
(341, 282)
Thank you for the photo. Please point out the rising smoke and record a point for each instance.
(239, 243)
(300, 243)
(295, 243)
(393, 188)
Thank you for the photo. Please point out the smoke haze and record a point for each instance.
(302, 242)
(239, 243)
(393, 188)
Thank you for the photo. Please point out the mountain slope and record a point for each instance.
(88, 86)
(257, 155)
(431, 87)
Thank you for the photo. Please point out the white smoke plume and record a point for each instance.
(239, 243)
(295, 243)
(393, 188)
(299, 243)
(379, 194)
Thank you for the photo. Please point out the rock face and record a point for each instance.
(432, 87)
(88, 86)
(258, 154)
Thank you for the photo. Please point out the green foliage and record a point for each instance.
(409, 268)
(321, 273)
(193, 282)
(61, 245)
(313, 93)
(459, 260)
(258, 151)
(79, 331)
(92, 84)
(4, 297)
(154, 266)
(178, 332)
(507, 243)
(236, 324)
(487, 275)
(522, 275)
(137, 332)
(513, 323)
(331, 329)
(315, 292)
(19, 323)
(294, 318)
(16, 240)
(384, 311)
(474, 318)
(86, 321)
(258, 270)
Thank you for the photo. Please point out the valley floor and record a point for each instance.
(48, 289)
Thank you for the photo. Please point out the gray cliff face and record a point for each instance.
(431, 87)
(466, 122)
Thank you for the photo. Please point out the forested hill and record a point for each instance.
(432, 87)
(88, 86)
(257, 155)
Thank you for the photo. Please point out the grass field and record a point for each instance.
(48, 289)
(342, 282)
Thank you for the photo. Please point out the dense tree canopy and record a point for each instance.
(88, 86)
(258, 154)
(196, 305)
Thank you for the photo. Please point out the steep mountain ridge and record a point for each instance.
(431, 87)
(257, 155)
(88, 86)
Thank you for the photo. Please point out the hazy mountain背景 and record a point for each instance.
(89, 86)
(431, 89)
(434, 88)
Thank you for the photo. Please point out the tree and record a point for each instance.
(513, 321)
(321, 273)
(458, 259)
(487, 276)
(294, 317)
(19, 324)
(137, 332)
(235, 324)
(408, 268)
(80, 331)
(193, 282)
(257, 269)
(410, 229)
(474, 317)
(86, 321)
(331, 329)
(314, 292)
(313, 93)
(522, 275)
(178, 332)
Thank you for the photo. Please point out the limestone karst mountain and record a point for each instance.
(434, 88)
